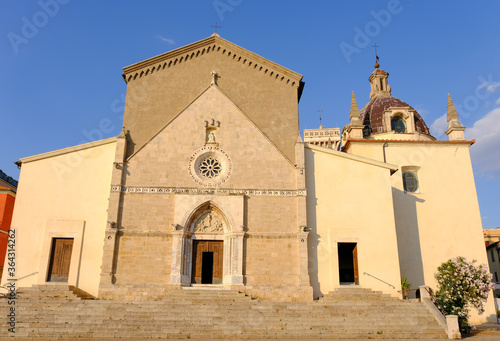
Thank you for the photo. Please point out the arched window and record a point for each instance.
(410, 182)
(418, 125)
(398, 124)
(367, 130)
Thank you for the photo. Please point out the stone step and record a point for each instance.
(226, 321)
(228, 317)
(241, 334)
(55, 310)
(313, 317)
(215, 309)
(330, 318)
(225, 329)
(112, 324)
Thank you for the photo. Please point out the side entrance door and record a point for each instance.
(60, 259)
(207, 262)
(348, 263)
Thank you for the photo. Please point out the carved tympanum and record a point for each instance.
(208, 222)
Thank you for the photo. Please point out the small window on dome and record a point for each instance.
(410, 182)
(398, 124)
(417, 124)
(367, 130)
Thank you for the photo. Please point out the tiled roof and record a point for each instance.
(8, 179)
(376, 107)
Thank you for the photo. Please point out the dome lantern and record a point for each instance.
(379, 85)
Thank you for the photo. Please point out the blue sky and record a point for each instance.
(61, 64)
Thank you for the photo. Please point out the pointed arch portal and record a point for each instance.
(207, 249)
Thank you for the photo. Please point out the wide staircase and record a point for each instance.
(59, 311)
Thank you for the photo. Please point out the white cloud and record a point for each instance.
(497, 101)
(167, 40)
(438, 127)
(490, 86)
(485, 153)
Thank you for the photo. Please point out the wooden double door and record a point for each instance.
(207, 261)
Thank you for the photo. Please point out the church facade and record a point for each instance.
(211, 184)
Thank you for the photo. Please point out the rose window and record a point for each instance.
(210, 167)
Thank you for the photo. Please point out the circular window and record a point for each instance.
(410, 182)
(210, 167)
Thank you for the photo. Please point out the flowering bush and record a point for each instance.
(462, 285)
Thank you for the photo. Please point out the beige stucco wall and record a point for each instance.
(63, 194)
(350, 200)
(442, 220)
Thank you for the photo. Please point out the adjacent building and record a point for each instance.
(328, 138)
(8, 188)
(492, 241)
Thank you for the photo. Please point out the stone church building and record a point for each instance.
(211, 184)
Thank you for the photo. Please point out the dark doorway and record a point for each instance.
(348, 263)
(60, 260)
(207, 268)
(207, 262)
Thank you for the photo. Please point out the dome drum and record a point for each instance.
(378, 114)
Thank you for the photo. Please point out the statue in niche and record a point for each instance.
(208, 222)
(211, 137)
(210, 129)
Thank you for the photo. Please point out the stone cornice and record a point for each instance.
(68, 150)
(7, 191)
(389, 166)
(210, 45)
(382, 141)
(208, 191)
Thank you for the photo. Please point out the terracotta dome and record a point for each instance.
(372, 115)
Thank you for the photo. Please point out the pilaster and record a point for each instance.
(176, 267)
(303, 256)
(112, 226)
(233, 254)
(302, 214)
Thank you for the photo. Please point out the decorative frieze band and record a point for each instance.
(208, 191)
(168, 234)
